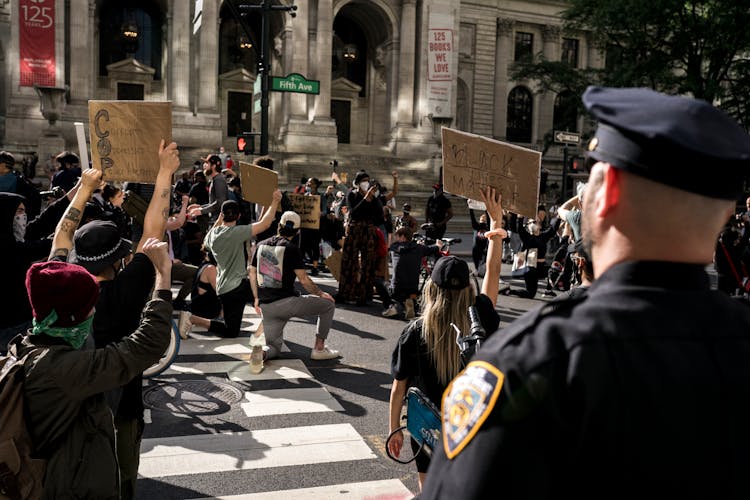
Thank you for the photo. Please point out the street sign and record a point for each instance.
(294, 82)
(567, 137)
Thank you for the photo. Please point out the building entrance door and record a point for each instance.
(341, 112)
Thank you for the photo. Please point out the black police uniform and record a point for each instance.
(640, 388)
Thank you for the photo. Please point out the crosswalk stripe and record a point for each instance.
(261, 449)
(229, 347)
(388, 489)
(287, 401)
(240, 370)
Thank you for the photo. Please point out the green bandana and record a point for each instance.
(73, 335)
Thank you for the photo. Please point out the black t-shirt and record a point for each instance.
(411, 359)
(276, 260)
(199, 191)
(437, 208)
(361, 210)
(118, 314)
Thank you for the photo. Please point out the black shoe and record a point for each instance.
(179, 305)
(314, 271)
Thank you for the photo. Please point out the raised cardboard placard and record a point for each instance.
(125, 137)
(258, 183)
(471, 162)
(308, 209)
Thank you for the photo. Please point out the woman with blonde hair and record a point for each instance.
(426, 355)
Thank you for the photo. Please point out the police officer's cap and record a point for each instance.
(678, 141)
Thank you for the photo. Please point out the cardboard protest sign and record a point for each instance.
(258, 183)
(125, 137)
(333, 263)
(308, 209)
(471, 162)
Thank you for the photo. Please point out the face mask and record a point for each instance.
(19, 226)
(74, 335)
(377, 193)
(364, 185)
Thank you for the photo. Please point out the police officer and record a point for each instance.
(642, 389)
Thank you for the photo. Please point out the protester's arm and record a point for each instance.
(474, 222)
(448, 216)
(252, 273)
(396, 402)
(62, 243)
(155, 221)
(568, 206)
(310, 286)
(493, 202)
(269, 215)
(394, 191)
(178, 220)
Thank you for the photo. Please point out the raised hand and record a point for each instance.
(91, 179)
(169, 157)
(493, 202)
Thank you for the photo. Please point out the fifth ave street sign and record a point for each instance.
(295, 82)
(567, 137)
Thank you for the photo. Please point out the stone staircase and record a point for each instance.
(416, 176)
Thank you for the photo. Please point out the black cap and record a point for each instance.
(97, 245)
(451, 273)
(678, 141)
(67, 158)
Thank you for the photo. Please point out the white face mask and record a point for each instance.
(377, 193)
(19, 226)
(364, 185)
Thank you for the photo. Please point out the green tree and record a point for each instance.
(698, 48)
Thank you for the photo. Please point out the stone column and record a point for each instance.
(180, 54)
(503, 57)
(209, 57)
(81, 43)
(301, 51)
(407, 52)
(323, 57)
(551, 51)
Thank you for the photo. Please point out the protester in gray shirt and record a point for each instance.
(218, 192)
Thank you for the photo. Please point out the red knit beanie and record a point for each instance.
(67, 288)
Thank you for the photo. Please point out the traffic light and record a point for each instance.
(246, 143)
(576, 165)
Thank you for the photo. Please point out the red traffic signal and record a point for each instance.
(241, 144)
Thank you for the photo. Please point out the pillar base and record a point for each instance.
(409, 140)
(302, 136)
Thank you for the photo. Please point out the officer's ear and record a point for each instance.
(607, 197)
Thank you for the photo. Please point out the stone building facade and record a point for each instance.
(385, 74)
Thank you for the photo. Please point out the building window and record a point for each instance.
(565, 117)
(524, 46)
(519, 115)
(570, 52)
(130, 29)
(236, 50)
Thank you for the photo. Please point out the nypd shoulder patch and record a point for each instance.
(467, 403)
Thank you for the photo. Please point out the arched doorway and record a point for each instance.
(361, 72)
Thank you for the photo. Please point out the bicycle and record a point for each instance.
(170, 354)
(429, 262)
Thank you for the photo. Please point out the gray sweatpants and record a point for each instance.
(278, 313)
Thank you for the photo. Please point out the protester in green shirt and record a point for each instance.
(226, 241)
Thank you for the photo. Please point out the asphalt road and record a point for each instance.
(301, 427)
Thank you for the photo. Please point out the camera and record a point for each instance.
(334, 164)
(55, 192)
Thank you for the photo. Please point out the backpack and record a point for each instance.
(21, 475)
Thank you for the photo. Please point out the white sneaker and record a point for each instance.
(391, 311)
(256, 360)
(502, 286)
(184, 325)
(325, 353)
(409, 306)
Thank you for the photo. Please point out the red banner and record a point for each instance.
(36, 22)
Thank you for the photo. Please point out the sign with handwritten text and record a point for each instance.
(308, 209)
(125, 137)
(258, 183)
(471, 162)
